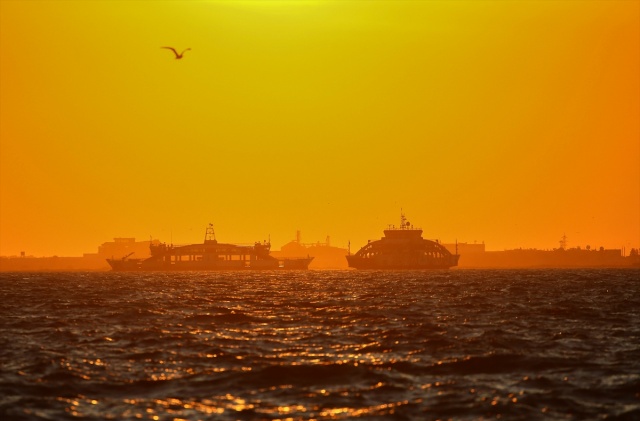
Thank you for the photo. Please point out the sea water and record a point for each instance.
(316, 345)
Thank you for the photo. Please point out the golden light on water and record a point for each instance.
(406, 363)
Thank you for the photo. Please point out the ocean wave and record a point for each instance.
(515, 344)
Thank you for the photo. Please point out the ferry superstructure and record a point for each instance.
(403, 248)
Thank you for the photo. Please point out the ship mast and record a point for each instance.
(404, 224)
(210, 235)
(563, 242)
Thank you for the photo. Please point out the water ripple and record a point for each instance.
(460, 344)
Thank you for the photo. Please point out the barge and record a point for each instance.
(210, 255)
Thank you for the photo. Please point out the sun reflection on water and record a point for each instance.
(272, 360)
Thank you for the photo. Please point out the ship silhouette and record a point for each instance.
(403, 248)
(210, 255)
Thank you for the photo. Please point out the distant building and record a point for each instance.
(118, 248)
(325, 255)
(557, 258)
(55, 263)
(464, 249)
(125, 246)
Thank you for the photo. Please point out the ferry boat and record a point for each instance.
(403, 248)
(210, 255)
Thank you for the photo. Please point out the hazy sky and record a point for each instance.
(508, 122)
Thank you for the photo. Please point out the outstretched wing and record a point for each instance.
(172, 49)
(186, 49)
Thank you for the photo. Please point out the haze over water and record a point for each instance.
(462, 344)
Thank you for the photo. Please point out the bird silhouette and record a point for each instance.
(178, 56)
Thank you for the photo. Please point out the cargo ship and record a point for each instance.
(403, 248)
(210, 255)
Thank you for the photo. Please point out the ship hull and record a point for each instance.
(161, 265)
(400, 264)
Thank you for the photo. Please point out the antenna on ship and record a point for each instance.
(563, 242)
(404, 224)
(209, 234)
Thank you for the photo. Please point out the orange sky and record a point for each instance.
(509, 122)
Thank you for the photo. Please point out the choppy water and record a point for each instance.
(521, 344)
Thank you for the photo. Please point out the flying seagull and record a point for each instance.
(178, 56)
